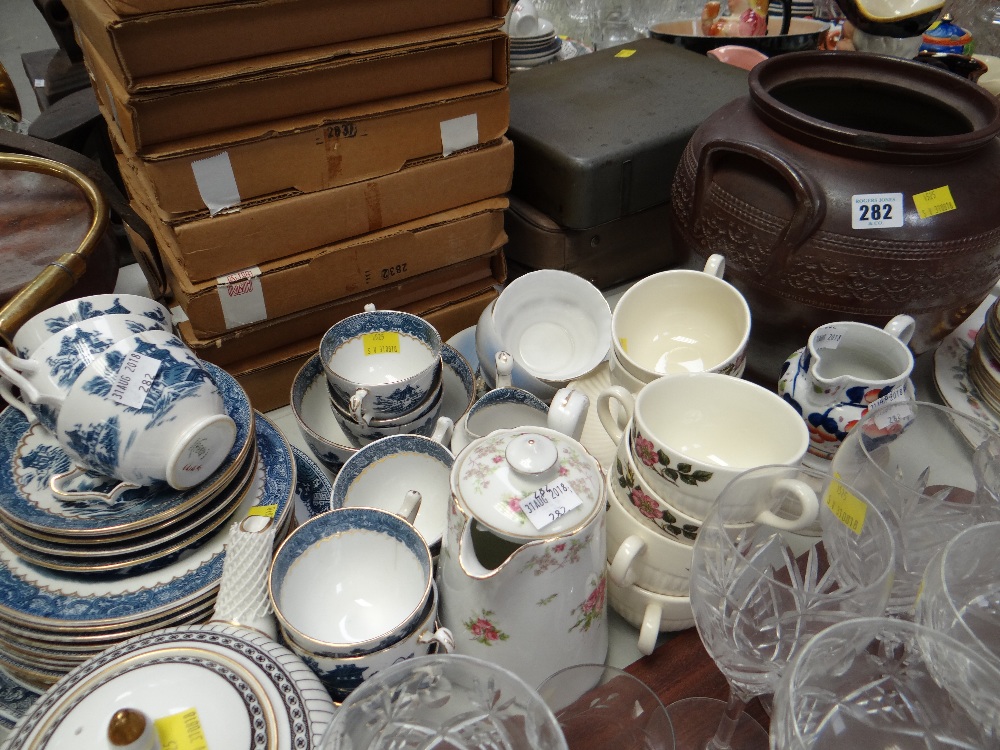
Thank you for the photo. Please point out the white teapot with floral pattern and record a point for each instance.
(521, 573)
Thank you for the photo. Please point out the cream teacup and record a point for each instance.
(523, 19)
(651, 613)
(382, 364)
(640, 554)
(682, 321)
(693, 433)
(350, 581)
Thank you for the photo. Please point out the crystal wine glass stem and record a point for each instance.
(727, 726)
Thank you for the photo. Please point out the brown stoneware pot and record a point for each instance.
(785, 183)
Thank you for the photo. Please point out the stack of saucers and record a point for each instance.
(984, 361)
(540, 47)
(97, 574)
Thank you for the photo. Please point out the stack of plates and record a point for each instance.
(541, 47)
(984, 360)
(78, 577)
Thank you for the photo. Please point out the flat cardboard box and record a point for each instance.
(289, 285)
(219, 245)
(309, 85)
(267, 378)
(319, 151)
(171, 48)
(419, 295)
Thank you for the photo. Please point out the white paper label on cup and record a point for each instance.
(876, 210)
(134, 379)
(828, 339)
(896, 394)
(893, 413)
(549, 503)
(242, 298)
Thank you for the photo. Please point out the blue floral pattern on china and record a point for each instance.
(15, 699)
(312, 486)
(30, 456)
(30, 594)
(326, 450)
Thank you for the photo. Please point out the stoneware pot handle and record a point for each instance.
(57, 484)
(901, 327)
(622, 570)
(808, 506)
(810, 208)
(649, 631)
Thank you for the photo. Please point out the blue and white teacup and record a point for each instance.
(342, 674)
(54, 319)
(145, 411)
(381, 364)
(382, 473)
(350, 581)
(46, 377)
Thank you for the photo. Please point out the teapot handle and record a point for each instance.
(810, 207)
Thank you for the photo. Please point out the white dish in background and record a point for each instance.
(951, 368)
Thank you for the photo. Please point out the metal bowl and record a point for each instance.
(803, 34)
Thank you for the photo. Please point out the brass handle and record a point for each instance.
(60, 275)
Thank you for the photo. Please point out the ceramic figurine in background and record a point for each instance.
(944, 35)
(746, 18)
(844, 369)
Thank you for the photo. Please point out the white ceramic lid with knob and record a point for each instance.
(528, 483)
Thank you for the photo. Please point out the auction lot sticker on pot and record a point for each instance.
(876, 210)
(549, 503)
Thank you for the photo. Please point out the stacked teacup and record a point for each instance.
(679, 321)
(123, 396)
(353, 593)
(383, 370)
(681, 441)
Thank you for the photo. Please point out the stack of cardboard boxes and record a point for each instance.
(297, 159)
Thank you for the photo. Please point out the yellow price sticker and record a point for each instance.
(933, 202)
(267, 511)
(625, 53)
(381, 342)
(846, 506)
(181, 731)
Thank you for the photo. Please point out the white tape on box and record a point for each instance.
(216, 182)
(242, 298)
(459, 133)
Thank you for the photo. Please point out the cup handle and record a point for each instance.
(57, 481)
(901, 327)
(10, 398)
(444, 428)
(505, 366)
(442, 637)
(649, 631)
(12, 367)
(622, 570)
(410, 506)
(715, 265)
(568, 412)
(615, 428)
(808, 502)
(356, 406)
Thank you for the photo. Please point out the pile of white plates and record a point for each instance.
(79, 577)
(540, 47)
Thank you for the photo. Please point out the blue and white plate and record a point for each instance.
(16, 698)
(30, 456)
(249, 692)
(51, 600)
(312, 487)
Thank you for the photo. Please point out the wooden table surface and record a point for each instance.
(681, 668)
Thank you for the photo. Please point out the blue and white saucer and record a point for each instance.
(53, 601)
(30, 456)
(312, 487)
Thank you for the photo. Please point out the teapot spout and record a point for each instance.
(482, 553)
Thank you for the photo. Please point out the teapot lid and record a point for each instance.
(528, 483)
